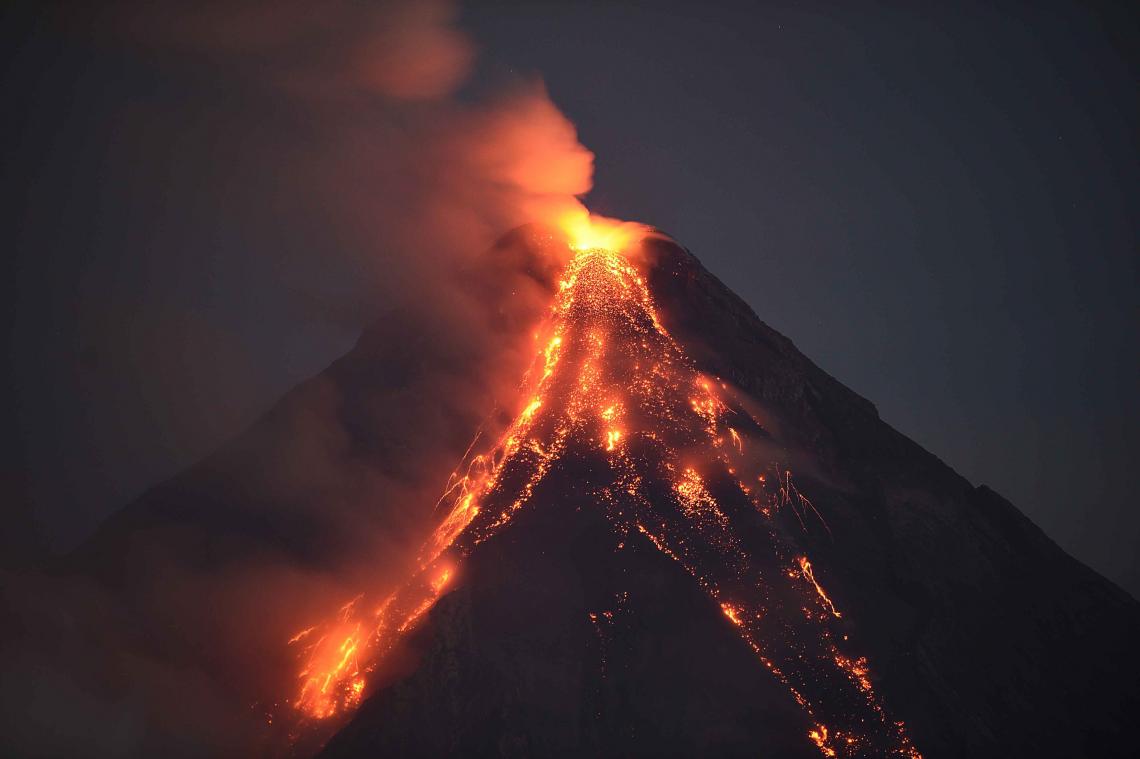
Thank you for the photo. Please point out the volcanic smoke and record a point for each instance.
(610, 392)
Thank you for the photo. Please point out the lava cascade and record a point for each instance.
(667, 445)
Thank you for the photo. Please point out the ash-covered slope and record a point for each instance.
(581, 626)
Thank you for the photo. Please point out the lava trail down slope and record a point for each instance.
(661, 450)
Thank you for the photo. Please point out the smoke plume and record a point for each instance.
(352, 133)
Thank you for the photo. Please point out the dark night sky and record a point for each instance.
(939, 206)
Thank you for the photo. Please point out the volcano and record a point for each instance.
(678, 536)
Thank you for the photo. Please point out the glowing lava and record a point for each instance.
(612, 388)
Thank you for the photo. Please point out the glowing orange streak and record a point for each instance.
(528, 412)
(805, 568)
(304, 633)
(438, 583)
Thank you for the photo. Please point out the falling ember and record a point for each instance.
(528, 412)
(586, 231)
(665, 475)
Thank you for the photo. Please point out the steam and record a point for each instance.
(347, 124)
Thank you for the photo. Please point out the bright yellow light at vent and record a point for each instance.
(588, 232)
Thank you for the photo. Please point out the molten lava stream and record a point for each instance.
(612, 383)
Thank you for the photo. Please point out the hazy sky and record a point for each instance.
(939, 206)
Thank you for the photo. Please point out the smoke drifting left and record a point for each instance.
(368, 133)
(347, 127)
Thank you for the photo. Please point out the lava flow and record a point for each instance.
(668, 447)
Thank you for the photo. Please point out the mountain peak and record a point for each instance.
(676, 535)
(675, 463)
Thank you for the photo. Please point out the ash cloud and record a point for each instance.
(334, 150)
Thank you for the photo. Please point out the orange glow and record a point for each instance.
(528, 412)
(333, 661)
(587, 231)
(440, 581)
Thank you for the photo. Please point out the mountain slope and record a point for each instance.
(669, 617)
